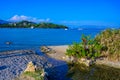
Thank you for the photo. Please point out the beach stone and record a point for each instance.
(30, 67)
(44, 49)
(47, 50)
(68, 58)
(87, 62)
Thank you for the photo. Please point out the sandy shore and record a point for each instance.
(58, 51)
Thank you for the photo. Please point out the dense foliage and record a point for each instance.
(88, 48)
(106, 44)
(110, 39)
(28, 24)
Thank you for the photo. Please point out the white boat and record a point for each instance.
(66, 29)
(32, 27)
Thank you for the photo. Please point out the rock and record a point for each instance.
(44, 49)
(68, 58)
(47, 50)
(44, 74)
(30, 67)
(83, 59)
(8, 42)
(87, 62)
(15, 62)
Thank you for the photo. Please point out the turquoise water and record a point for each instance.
(34, 38)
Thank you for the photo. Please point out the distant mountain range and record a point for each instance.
(3, 22)
(92, 27)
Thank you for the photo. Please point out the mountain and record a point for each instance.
(3, 22)
(28, 24)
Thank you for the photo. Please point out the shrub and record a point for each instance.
(88, 48)
(110, 39)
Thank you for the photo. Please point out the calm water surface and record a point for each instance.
(34, 38)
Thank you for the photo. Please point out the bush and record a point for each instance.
(110, 39)
(88, 48)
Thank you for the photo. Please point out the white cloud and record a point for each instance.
(19, 18)
(23, 17)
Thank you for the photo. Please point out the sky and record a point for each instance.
(70, 12)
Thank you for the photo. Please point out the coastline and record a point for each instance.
(13, 63)
(58, 52)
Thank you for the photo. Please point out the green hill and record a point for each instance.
(28, 24)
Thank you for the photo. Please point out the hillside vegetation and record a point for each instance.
(28, 24)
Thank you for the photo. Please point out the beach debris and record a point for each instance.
(30, 67)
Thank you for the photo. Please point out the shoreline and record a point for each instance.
(58, 52)
(13, 63)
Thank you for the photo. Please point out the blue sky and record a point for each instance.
(71, 12)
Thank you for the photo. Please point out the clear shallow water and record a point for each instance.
(34, 38)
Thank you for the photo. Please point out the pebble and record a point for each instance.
(13, 63)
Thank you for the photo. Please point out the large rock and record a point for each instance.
(68, 58)
(30, 67)
(87, 62)
(47, 50)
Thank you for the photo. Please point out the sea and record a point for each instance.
(26, 38)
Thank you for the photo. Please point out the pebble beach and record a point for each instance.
(13, 63)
